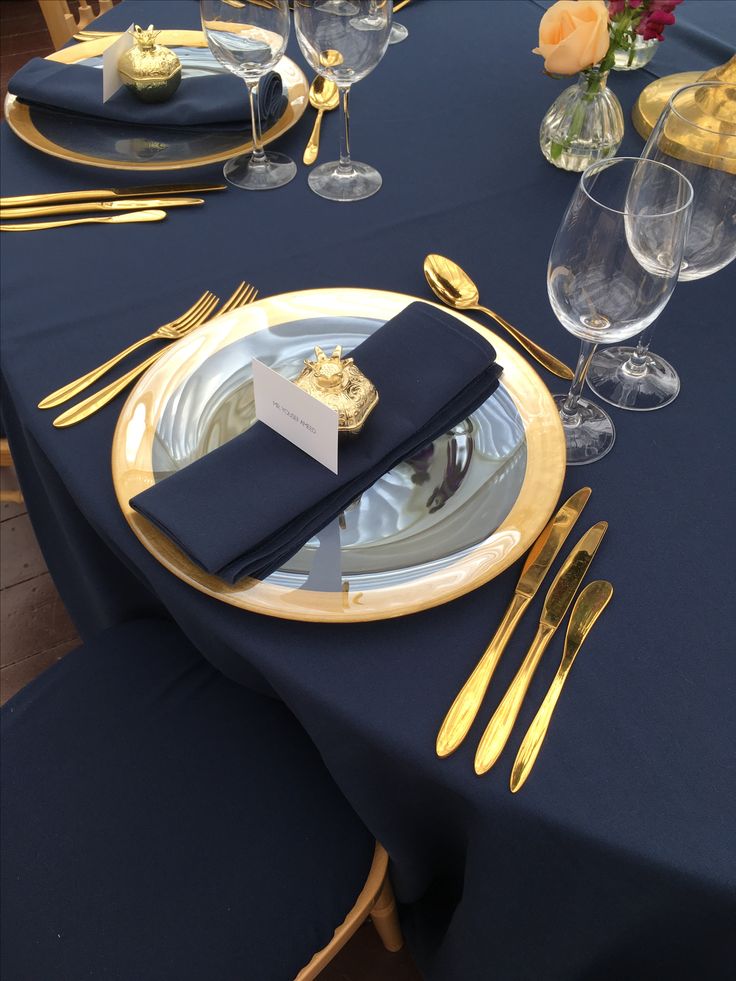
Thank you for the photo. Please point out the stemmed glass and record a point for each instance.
(613, 267)
(372, 21)
(696, 133)
(339, 51)
(249, 38)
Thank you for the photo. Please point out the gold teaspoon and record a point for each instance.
(590, 604)
(323, 96)
(455, 288)
(111, 220)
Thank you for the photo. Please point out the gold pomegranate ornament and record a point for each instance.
(149, 70)
(339, 383)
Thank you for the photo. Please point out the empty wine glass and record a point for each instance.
(249, 38)
(339, 51)
(613, 267)
(696, 134)
(372, 21)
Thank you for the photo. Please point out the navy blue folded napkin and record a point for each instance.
(248, 506)
(216, 101)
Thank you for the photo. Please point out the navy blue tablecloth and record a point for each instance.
(618, 857)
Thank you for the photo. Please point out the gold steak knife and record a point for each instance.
(464, 709)
(126, 204)
(589, 605)
(108, 194)
(556, 603)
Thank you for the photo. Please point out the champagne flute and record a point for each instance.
(249, 38)
(696, 134)
(339, 51)
(613, 267)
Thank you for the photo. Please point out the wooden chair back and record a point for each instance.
(60, 20)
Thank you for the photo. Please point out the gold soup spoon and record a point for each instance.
(453, 286)
(323, 96)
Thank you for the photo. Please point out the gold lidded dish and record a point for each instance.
(150, 71)
(339, 383)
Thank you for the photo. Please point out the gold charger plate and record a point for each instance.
(186, 403)
(143, 152)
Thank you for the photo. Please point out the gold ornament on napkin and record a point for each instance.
(339, 383)
(149, 70)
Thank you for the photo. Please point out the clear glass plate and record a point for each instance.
(435, 526)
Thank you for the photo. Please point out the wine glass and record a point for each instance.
(372, 21)
(339, 51)
(613, 267)
(696, 134)
(249, 38)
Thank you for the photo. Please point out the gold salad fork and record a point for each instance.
(243, 295)
(172, 331)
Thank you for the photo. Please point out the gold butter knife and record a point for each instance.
(464, 709)
(108, 194)
(589, 605)
(555, 607)
(128, 204)
(123, 219)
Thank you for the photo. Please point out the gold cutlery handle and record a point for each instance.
(590, 604)
(464, 709)
(121, 219)
(107, 207)
(67, 392)
(499, 728)
(312, 148)
(547, 360)
(82, 410)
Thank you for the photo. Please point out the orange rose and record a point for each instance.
(573, 35)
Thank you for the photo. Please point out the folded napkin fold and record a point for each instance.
(215, 101)
(248, 506)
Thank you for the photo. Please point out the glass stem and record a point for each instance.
(257, 157)
(345, 166)
(637, 361)
(569, 408)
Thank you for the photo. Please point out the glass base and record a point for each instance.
(343, 8)
(653, 386)
(275, 171)
(359, 182)
(589, 434)
(398, 33)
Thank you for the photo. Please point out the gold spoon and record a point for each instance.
(112, 220)
(591, 603)
(455, 288)
(323, 96)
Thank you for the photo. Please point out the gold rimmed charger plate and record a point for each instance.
(163, 385)
(20, 117)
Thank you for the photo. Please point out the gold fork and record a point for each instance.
(175, 329)
(243, 295)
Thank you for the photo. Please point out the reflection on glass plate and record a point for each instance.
(439, 524)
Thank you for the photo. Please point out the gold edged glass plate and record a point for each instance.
(438, 525)
(121, 146)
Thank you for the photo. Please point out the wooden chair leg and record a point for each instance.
(386, 920)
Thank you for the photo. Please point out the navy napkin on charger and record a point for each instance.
(217, 101)
(248, 506)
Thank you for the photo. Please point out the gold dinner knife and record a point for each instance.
(590, 604)
(108, 194)
(128, 204)
(122, 219)
(555, 607)
(464, 709)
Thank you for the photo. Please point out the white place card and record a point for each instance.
(111, 81)
(292, 413)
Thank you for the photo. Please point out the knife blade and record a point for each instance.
(464, 709)
(589, 605)
(125, 204)
(556, 603)
(107, 194)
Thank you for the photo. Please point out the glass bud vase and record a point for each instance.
(582, 125)
(639, 55)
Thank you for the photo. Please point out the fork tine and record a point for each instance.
(185, 318)
(234, 300)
